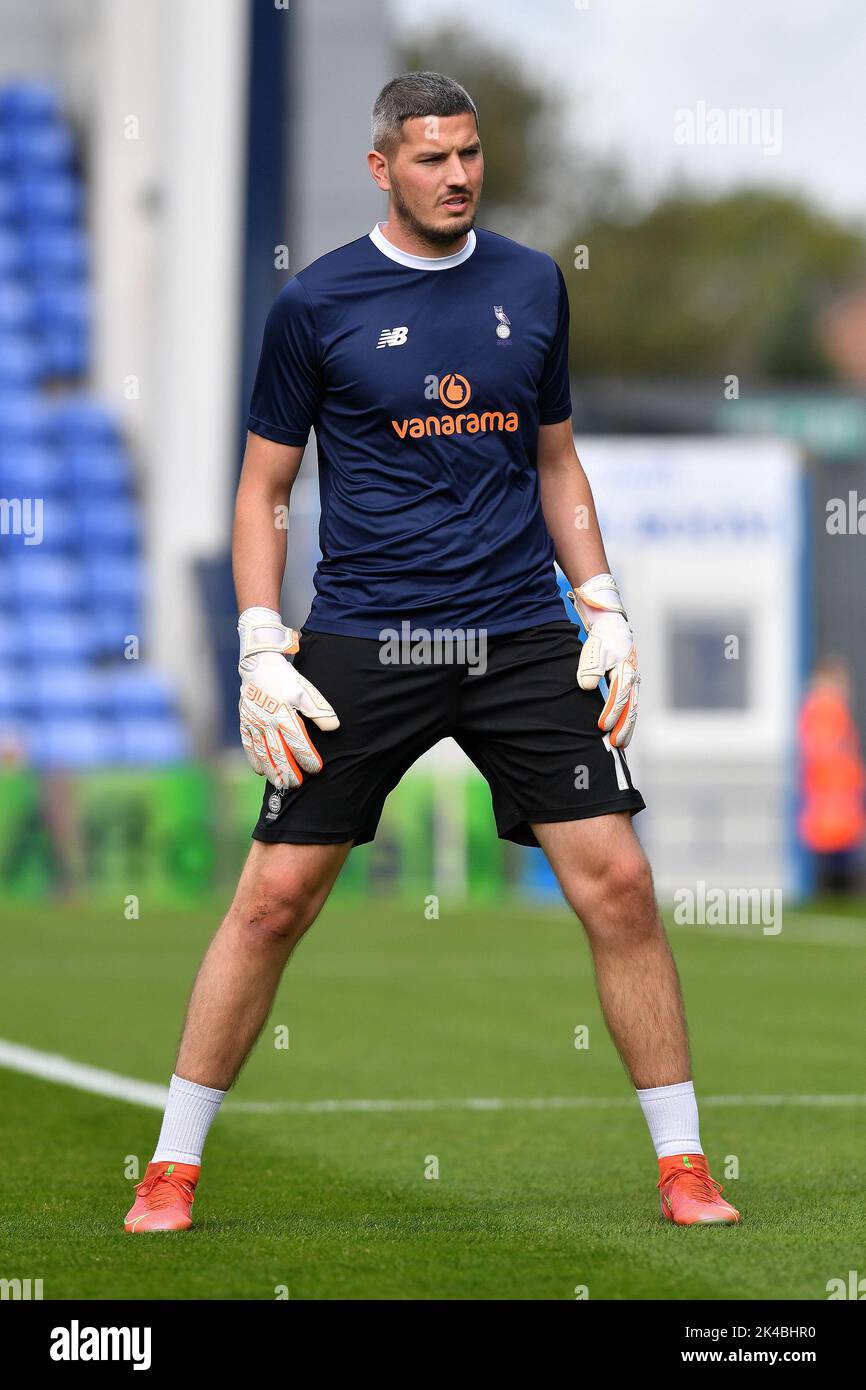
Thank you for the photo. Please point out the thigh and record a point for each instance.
(534, 734)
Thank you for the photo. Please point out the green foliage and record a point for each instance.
(694, 286)
(706, 286)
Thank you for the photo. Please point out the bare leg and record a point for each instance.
(606, 879)
(280, 893)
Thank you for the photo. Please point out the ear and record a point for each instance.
(378, 166)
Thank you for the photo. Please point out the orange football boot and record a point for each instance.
(163, 1199)
(689, 1196)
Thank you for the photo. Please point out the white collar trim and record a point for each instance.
(381, 242)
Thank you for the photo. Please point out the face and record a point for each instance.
(434, 177)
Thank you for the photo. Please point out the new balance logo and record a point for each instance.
(393, 337)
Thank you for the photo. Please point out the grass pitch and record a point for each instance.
(379, 1003)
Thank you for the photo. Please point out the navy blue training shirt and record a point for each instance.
(425, 380)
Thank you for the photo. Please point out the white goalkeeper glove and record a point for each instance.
(273, 697)
(608, 651)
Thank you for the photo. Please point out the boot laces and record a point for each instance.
(694, 1183)
(168, 1187)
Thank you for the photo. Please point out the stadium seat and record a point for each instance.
(12, 255)
(113, 578)
(29, 103)
(57, 251)
(60, 527)
(66, 352)
(68, 637)
(45, 147)
(13, 695)
(148, 741)
(40, 580)
(60, 745)
(113, 625)
(31, 470)
(9, 202)
(24, 419)
(136, 691)
(110, 525)
(97, 471)
(68, 691)
(84, 421)
(22, 361)
(52, 200)
(17, 306)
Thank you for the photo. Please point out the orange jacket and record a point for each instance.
(832, 810)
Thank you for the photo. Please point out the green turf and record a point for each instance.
(381, 1003)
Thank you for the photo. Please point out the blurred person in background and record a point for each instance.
(833, 779)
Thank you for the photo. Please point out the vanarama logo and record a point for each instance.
(455, 392)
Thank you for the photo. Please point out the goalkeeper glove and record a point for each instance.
(273, 697)
(609, 651)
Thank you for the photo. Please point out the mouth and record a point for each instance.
(459, 202)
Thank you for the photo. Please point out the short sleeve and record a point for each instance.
(554, 388)
(285, 399)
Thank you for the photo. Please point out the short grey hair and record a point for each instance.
(415, 94)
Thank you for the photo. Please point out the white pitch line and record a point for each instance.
(49, 1066)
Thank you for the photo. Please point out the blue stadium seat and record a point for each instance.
(150, 741)
(60, 745)
(24, 419)
(67, 691)
(40, 580)
(49, 200)
(85, 421)
(12, 253)
(10, 640)
(139, 692)
(18, 306)
(118, 578)
(61, 531)
(55, 251)
(29, 103)
(97, 471)
(22, 361)
(67, 637)
(14, 695)
(44, 147)
(31, 470)
(10, 204)
(66, 352)
(111, 525)
(113, 625)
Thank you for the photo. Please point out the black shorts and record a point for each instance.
(524, 722)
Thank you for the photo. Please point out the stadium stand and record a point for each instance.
(72, 573)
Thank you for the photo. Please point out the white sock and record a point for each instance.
(672, 1115)
(188, 1116)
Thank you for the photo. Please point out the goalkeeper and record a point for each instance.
(431, 359)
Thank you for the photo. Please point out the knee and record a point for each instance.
(276, 911)
(621, 902)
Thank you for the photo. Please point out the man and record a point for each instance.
(432, 361)
(832, 817)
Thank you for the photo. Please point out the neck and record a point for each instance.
(414, 243)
